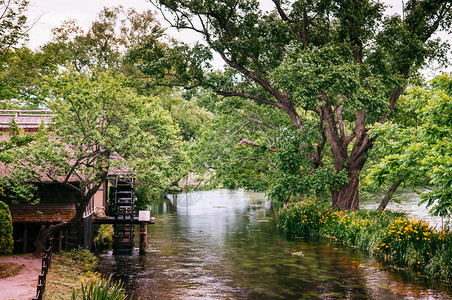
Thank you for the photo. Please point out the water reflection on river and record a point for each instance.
(225, 245)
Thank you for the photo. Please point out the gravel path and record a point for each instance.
(23, 285)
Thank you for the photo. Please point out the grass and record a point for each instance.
(100, 289)
(67, 271)
(392, 237)
(9, 269)
(72, 276)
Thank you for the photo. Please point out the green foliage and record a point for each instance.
(302, 218)
(21, 73)
(217, 147)
(13, 27)
(97, 118)
(21, 68)
(113, 32)
(395, 239)
(100, 289)
(103, 235)
(311, 218)
(419, 152)
(186, 114)
(68, 268)
(14, 189)
(329, 71)
(100, 126)
(331, 67)
(406, 240)
(6, 230)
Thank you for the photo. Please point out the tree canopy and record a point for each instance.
(419, 153)
(99, 125)
(13, 23)
(332, 67)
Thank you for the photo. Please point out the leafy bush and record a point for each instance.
(100, 289)
(6, 229)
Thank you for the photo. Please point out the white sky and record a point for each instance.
(53, 12)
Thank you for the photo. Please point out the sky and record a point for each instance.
(52, 13)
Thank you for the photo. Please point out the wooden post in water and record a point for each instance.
(143, 236)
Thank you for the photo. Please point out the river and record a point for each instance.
(225, 245)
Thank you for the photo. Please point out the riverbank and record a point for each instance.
(394, 238)
(68, 270)
(73, 272)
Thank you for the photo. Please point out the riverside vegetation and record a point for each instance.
(73, 276)
(394, 238)
(312, 98)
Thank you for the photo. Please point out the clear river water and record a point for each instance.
(225, 244)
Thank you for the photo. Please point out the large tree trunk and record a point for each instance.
(44, 235)
(347, 196)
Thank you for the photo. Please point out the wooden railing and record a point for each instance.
(46, 262)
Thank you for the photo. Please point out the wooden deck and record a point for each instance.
(112, 220)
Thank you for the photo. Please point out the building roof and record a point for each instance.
(45, 213)
(29, 120)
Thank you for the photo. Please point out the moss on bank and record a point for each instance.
(392, 237)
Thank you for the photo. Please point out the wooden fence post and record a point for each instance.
(45, 265)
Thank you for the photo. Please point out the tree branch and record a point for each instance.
(248, 142)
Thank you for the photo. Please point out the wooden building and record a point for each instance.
(57, 203)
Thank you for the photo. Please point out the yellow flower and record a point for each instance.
(395, 252)
(82, 280)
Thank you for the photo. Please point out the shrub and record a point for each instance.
(6, 229)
